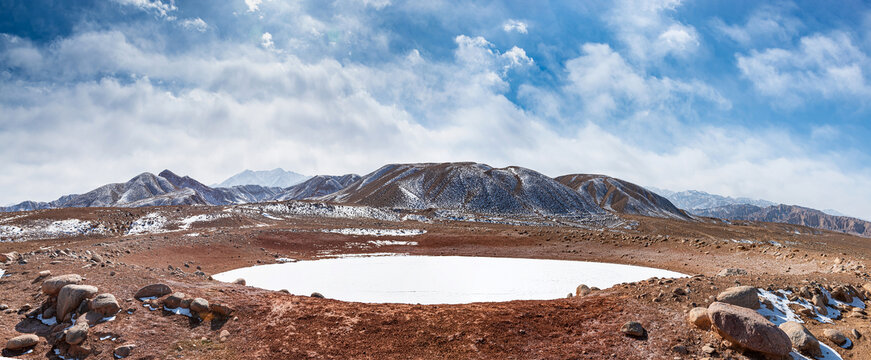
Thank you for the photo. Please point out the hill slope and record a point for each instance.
(790, 214)
(622, 196)
(692, 199)
(320, 185)
(466, 186)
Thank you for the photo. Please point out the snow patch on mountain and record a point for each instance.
(270, 178)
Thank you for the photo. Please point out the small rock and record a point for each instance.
(221, 310)
(124, 351)
(632, 328)
(680, 349)
(22, 342)
(732, 272)
(224, 336)
(44, 273)
(835, 336)
(317, 295)
(744, 296)
(153, 290)
(174, 300)
(199, 305)
(698, 316)
(583, 290)
(239, 281)
(3, 307)
(856, 334)
(105, 304)
(708, 349)
(77, 333)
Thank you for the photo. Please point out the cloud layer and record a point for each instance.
(345, 89)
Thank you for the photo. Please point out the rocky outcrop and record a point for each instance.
(71, 296)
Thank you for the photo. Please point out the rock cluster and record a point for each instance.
(161, 295)
(75, 307)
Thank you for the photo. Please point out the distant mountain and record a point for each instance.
(317, 186)
(622, 196)
(222, 196)
(691, 200)
(145, 189)
(468, 187)
(790, 214)
(268, 178)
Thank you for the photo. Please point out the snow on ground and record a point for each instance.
(828, 354)
(188, 221)
(295, 208)
(378, 243)
(376, 232)
(439, 279)
(782, 313)
(415, 217)
(46, 229)
(151, 223)
(179, 311)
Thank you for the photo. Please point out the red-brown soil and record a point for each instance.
(275, 325)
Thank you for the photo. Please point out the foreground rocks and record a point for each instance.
(632, 328)
(22, 342)
(744, 296)
(802, 339)
(748, 329)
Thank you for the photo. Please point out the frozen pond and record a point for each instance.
(439, 279)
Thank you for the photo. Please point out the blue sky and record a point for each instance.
(754, 99)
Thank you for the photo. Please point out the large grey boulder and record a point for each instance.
(744, 296)
(105, 304)
(77, 333)
(153, 290)
(22, 342)
(71, 296)
(746, 328)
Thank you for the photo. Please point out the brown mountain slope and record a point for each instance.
(622, 196)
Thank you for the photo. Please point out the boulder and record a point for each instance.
(70, 297)
(583, 290)
(174, 300)
(124, 351)
(221, 310)
(199, 305)
(732, 272)
(22, 342)
(239, 281)
(698, 316)
(802, 339)
(317, 295)
(632, 328)
(52, 286)
(835, 336)
(77, 333)
(153, 290)
(842, 293)
(744, 296)
(105, 304)
(43, 274)
(747, 329)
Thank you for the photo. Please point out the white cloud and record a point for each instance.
(515, 25)
(253, 5)
(266, 41)
(830, 66)
(195, 24)
(649, 32)
(768, 24)
(157, 7)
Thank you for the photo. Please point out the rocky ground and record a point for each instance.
(241, 322)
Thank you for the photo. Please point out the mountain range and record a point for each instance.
(464, 186)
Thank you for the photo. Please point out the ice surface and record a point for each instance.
(376, 232)
(179, 311)
(439, 279)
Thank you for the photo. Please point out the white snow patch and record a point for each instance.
(376, 232)
(50, 321)
(828, 354)
(42, 229)
(192, 234)
(378, 243)
(148, 224)
(439, 279)
(285, 260)
(179, 311)
(415, 217)
(188, 221)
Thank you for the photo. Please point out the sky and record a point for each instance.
(739, 98)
